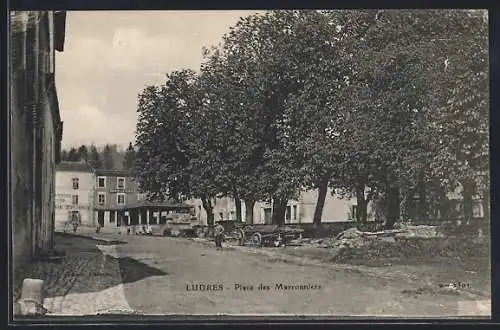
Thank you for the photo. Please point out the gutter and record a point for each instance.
(32, 104)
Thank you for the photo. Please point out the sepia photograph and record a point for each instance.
(217, 164)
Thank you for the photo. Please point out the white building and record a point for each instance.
(75, 183)
(298, 211)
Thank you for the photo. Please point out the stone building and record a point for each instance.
(36, 129)
(74, 193)
(114, 191)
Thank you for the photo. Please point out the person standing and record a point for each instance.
(219, 235)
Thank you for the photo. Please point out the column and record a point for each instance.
(147, 216)
(139, 215)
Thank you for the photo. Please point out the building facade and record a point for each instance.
(36, 129)
(298, 211)
(74, 193)
(115, 191)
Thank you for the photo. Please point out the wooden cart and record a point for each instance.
(266, 235)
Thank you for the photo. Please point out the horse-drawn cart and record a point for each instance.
(266, 235)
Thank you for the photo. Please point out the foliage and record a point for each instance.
(377, 104)
(107, 158)
(129, 158)
(95, 158)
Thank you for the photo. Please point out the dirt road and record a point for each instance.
(177, 276)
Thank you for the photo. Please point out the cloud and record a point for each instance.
(110, 56)
(87, 124)
(129, 50)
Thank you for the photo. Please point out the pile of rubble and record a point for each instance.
(405, 241)
(422, 231)
(311, 242)
(353, 237)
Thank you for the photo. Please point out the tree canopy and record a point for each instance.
(378, 104)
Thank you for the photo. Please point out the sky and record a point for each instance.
(110, 56)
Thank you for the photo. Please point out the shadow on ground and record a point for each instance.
(83, 268)
(71, 238)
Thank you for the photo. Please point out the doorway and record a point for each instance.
(100, 218)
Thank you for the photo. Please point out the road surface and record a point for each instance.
(163, 275)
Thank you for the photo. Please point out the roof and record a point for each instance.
(150, 205)
(66, 166)
(101, 172)
(166, 204)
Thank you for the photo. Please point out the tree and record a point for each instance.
(83, 153)
(95, 158)
(172, 159)
(129, 158)
(422, 56)
(255, 85)
(64, 155)
(73, 155)
(107, 158)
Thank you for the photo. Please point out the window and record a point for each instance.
(233, 215)
(221, 216)
(101, 198)
(74, 199)
(76, 183)
(295, 212)
(121, 183)
(120, 199)
(101, 182)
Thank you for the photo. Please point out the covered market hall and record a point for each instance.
(141, 213)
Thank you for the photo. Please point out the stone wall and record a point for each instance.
(33, 107)
(21, 147)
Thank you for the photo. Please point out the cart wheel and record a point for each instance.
(256, 239)
(200, 233)
(241, 237)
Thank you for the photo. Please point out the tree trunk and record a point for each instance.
(467, 197)
(422, 202)
(486, 205)
(322, 190)
(361, 213)
(444, 205)
(238, 210)
(410, 205)
(279, 209)
(393, 205)
(207, 205)
(249, 205)
(237, 203)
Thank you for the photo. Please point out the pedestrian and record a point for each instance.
(75, 221)
(219, 235)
